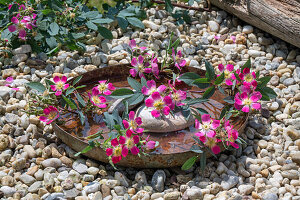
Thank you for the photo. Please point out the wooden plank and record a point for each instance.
(280, 18)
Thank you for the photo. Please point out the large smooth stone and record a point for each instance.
(163, 124)
(119, 106)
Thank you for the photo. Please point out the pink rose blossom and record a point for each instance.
(217, 37)
(15, 20)
(216, 149)
(105, 88)
(154, 66)
(244, 101)
(50, 114)
(9, 79)
(134, 47)
(129, 143)
(248, 78)
(151, 145)
(20, 23)
(133, 123)
(232, 134)
(159, 104)
(139, 67)
(96, 99)
(177, 96)
(22, 7)
(60, 85)
(179, 63)
(207, 127)
(233, 38)
(207, 132)
(228, 72)
(115, 152)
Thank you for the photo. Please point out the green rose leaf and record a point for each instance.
(76, 80)
(267, 93)
(135, 99)
(92, 26)
(189, 163)
(81, 117)
(37, 86)
(53, 29)
(134, 84)
(193, 101)
(70, 91)
(51, 42)
(43, 25)
(210, 71)
(102, 21)
(229, 99)
(123, 23)
(47, 11)
(271, 93)
(209, 92)
(169, 6)
(262, 82)
(6, 34)
(189, 77)
(86, 149)
(105, 32)
(77, 35)
(135, 22)
(122, 93)
(201, 83)
(80, 100)
(69, 102)
(220, 79)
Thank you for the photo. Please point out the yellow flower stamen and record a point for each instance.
(248, 78)
(159, 105)
(129, 143)
(59, 85)
(133, 124)
(95, 99)
(102, 87)
(118, 151)
(247, 102)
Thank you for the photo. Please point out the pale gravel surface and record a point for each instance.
(36, 165)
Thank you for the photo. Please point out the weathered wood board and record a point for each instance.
(280, 18)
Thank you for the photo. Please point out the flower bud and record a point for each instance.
(72, 15)
(30, 9)
(46, 93)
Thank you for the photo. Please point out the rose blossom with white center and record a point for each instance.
(96, 99)
(60, 85)
(105, 88)
(159, 104)
(139, 67)
(133, 123)
(50, 114)
(245, 101)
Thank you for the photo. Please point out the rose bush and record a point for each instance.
(50, 25)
